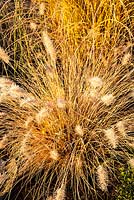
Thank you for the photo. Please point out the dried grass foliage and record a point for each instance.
(69, 116)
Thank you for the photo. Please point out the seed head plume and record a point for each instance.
(111, 136)
(3, 142)
(41, 8)
(4, 56)
(121, 128)
(107, 99)
(49, 46)
(102, 177)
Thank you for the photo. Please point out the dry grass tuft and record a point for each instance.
(66, 119)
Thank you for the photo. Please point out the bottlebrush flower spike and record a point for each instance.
(121, 128)
(49, 46)
(112, 137)
(41, 8)
(102, 177)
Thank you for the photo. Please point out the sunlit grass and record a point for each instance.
(67, 115)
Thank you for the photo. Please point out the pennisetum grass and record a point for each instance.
(66, 104)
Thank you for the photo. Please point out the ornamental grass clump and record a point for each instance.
(66, 99)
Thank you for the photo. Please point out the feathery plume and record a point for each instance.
(61, 103)
(78, 165)
(23, 144)
(102, 178)
(112, 138)
(41, 8)
(95, 82)
(16, 92)
(121, 128)
(3, 142)
(108, 99)
(11, 170)
(78, 130)
(2, 178)
(33, 26)
(94, 94)
(54, 155)
(4, 56)
(126, 58)
(5, 83)
(43, 113)
(131, 144)
(28, 100)
(49, 46)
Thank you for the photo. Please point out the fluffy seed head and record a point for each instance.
(49, 46)
(108, 99)
(78, 165)
(65, 145)
(61, 103)
(111, 137)
(3, 142)
(78, 130)
(4, 56)
(95, 82)
(5, 83)
(50, 198)
(11, 169)
(94, 93)
(102, 178)
(121, 128)
(43, 113)
(33, 26)
(16, 92)
(23, 146)
(41, 8)
(126, 58)
(54, 155)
